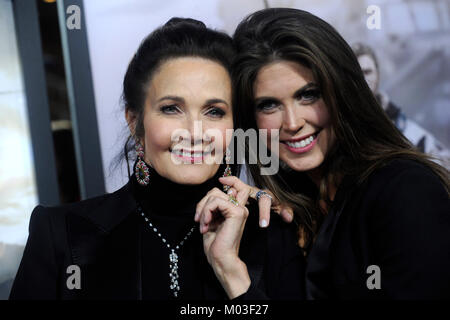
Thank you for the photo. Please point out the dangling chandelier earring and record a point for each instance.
(141, 170)
(227, 171)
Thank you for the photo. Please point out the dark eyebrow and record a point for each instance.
(307, 86)
(173, 98)
(182, 101)
(261, 99)
(216, 100)
(296, 93)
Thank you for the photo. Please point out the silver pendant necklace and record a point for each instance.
(173, 256)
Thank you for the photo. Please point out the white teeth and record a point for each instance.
(302, 143)
(195, 154)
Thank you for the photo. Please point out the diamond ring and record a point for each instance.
(262, 193)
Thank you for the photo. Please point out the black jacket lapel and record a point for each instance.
(104, 243)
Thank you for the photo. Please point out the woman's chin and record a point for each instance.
(192, 174)
(303, 164)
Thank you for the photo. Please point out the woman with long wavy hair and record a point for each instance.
(373, 213)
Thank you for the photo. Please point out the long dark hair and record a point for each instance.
(365, 137)
(179, 37)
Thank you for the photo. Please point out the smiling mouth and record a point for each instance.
(303, 142)
(191, 155)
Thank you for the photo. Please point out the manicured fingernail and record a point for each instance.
(230, 191)
(263, 223)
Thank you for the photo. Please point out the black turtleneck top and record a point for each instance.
(170, 207)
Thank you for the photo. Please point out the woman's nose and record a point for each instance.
(292, 119)
(195, 128)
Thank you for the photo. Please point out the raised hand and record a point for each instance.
(265, 203)
(222, 220)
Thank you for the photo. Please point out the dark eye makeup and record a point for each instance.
(267, 104)
(169, 109)
(213, 111)
(308, 94)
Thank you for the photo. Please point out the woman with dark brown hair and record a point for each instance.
(373, 212)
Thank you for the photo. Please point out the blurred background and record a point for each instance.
(62, 125)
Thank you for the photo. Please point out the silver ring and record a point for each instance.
(262, 193)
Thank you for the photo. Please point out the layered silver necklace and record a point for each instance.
(173, 256)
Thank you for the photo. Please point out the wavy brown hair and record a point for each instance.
(366, 139)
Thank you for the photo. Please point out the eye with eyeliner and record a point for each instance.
(172, 109)
(306, 95)
(169, 109)
(309, 95)
(215, 112)
(267, 105)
